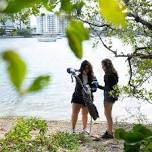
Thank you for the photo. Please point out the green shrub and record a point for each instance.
(24, 32)
(29, 135)
(2, 31)
(66, 141)
(136, 140)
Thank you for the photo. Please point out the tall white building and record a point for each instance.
(51, 24)
(41, 24)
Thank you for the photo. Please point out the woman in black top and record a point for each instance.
(86, 76)
(110, 79)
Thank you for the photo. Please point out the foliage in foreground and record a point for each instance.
(139, 139)
(17, 70)
(29, 135)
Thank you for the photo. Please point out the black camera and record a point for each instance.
(72, 71)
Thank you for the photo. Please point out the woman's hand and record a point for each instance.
(94, 85)
(100, 87)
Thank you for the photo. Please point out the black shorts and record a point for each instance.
(77, 100)
(108, 98)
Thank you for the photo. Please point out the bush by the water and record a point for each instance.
(24, 32)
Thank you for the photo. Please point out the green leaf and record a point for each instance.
(142, 130)
(15, 6)
(50, 5)
(133, 137)
(120, 133)
(129, 137)
(39, 83)
(66, 6)
(78, 7)
(76, 34)
(112, 11)
(16, 68)
(148, 148)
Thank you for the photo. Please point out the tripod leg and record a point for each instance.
(90, 129)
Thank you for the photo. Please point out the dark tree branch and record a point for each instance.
(142, 98)
(96, 25)
(142, 48)
(144, 80)
(131, 74)
(142, 56)
(114, 52)
(133, 55)
(130, 70)
(140, 20)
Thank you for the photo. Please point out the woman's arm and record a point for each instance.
(95, 85)
(100, 87)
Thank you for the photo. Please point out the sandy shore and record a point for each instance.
(53, 126)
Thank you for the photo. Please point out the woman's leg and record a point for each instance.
(84, 116)
(75, 111)
(108, 113)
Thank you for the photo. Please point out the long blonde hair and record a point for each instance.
(109, 68)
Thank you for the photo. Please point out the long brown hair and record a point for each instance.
(83, 66)
(109, 68)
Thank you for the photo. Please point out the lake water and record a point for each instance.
(53, 58)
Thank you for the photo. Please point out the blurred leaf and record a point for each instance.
(3, 5)
(143, 130)
(129, 137)
(133, 137)
(78, 7)
(112, 11)
(66, 6)
(15, 6)
(137, 139)
(50, 4)
(76, 34)
(39, 83)
(16, 68)
(148, 148)
(120, 133)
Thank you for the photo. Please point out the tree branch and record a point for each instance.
(131, 74)
(96, 25)
(140, 20)
(142, 48)
(133, 55)
(114, 52)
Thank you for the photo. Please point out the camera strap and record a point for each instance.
(72, 78)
